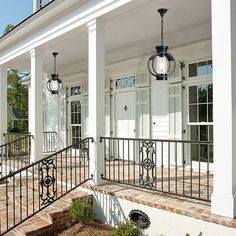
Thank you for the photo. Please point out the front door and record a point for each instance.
(125, 115)
(125, 124)
(201, 122)
(75, 121)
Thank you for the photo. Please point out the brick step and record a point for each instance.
(50, 220)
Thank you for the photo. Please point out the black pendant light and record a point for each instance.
(54, 85)
(162, 63)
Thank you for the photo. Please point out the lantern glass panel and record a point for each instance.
(54, 85)
(161, 64)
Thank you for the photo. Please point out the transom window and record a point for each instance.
(74, 91)
(202, 68)
(126, 82)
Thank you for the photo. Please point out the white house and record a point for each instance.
(104, 47)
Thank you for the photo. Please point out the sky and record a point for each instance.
(14, 11)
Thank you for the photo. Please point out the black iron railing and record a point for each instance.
(169, 166)
(25, 192)
(9, 137)
(15, 154)
(49, 141)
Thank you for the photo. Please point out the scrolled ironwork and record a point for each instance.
(47, 181)
(147, 175)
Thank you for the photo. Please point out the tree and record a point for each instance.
(8, 28)
(17, 94)
(17, 97)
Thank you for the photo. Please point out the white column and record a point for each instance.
(96, 68)
(3, 103)
(224, 80)
(36, 105)
(35, 5)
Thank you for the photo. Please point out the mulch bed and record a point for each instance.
(87, 230)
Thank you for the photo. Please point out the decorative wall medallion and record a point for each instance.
(140, 219)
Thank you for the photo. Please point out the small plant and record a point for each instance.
(127, 229)
(81, 210)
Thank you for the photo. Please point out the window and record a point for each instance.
(76, 90)
(202, 68)
(126, 82)
(200, 121)
(201, 103)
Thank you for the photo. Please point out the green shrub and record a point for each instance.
(127, 229)
(81, 210)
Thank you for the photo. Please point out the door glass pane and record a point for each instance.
(192, 94)
(194, 132)
(193, 70)
(203, 113)
(203, 133)
(210, 113)
(202, 93)
(210, 93)
(193, 113)
(203, 153)
(210, 132)
(194, 152)
(211, 153)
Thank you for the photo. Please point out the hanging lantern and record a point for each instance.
(162, 63)
(54, 85)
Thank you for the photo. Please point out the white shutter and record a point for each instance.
(107, 102)
(84, 89)
(84, 107)
(142, 113)
(175, 123)
(107, 85)
(175, 112)
(142, 79)
(176, 76)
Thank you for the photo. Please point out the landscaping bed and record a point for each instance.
(85, 230)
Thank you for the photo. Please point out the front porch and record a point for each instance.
(145, 133)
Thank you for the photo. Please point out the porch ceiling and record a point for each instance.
(132, 30)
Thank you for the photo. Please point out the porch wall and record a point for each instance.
(111, 210)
